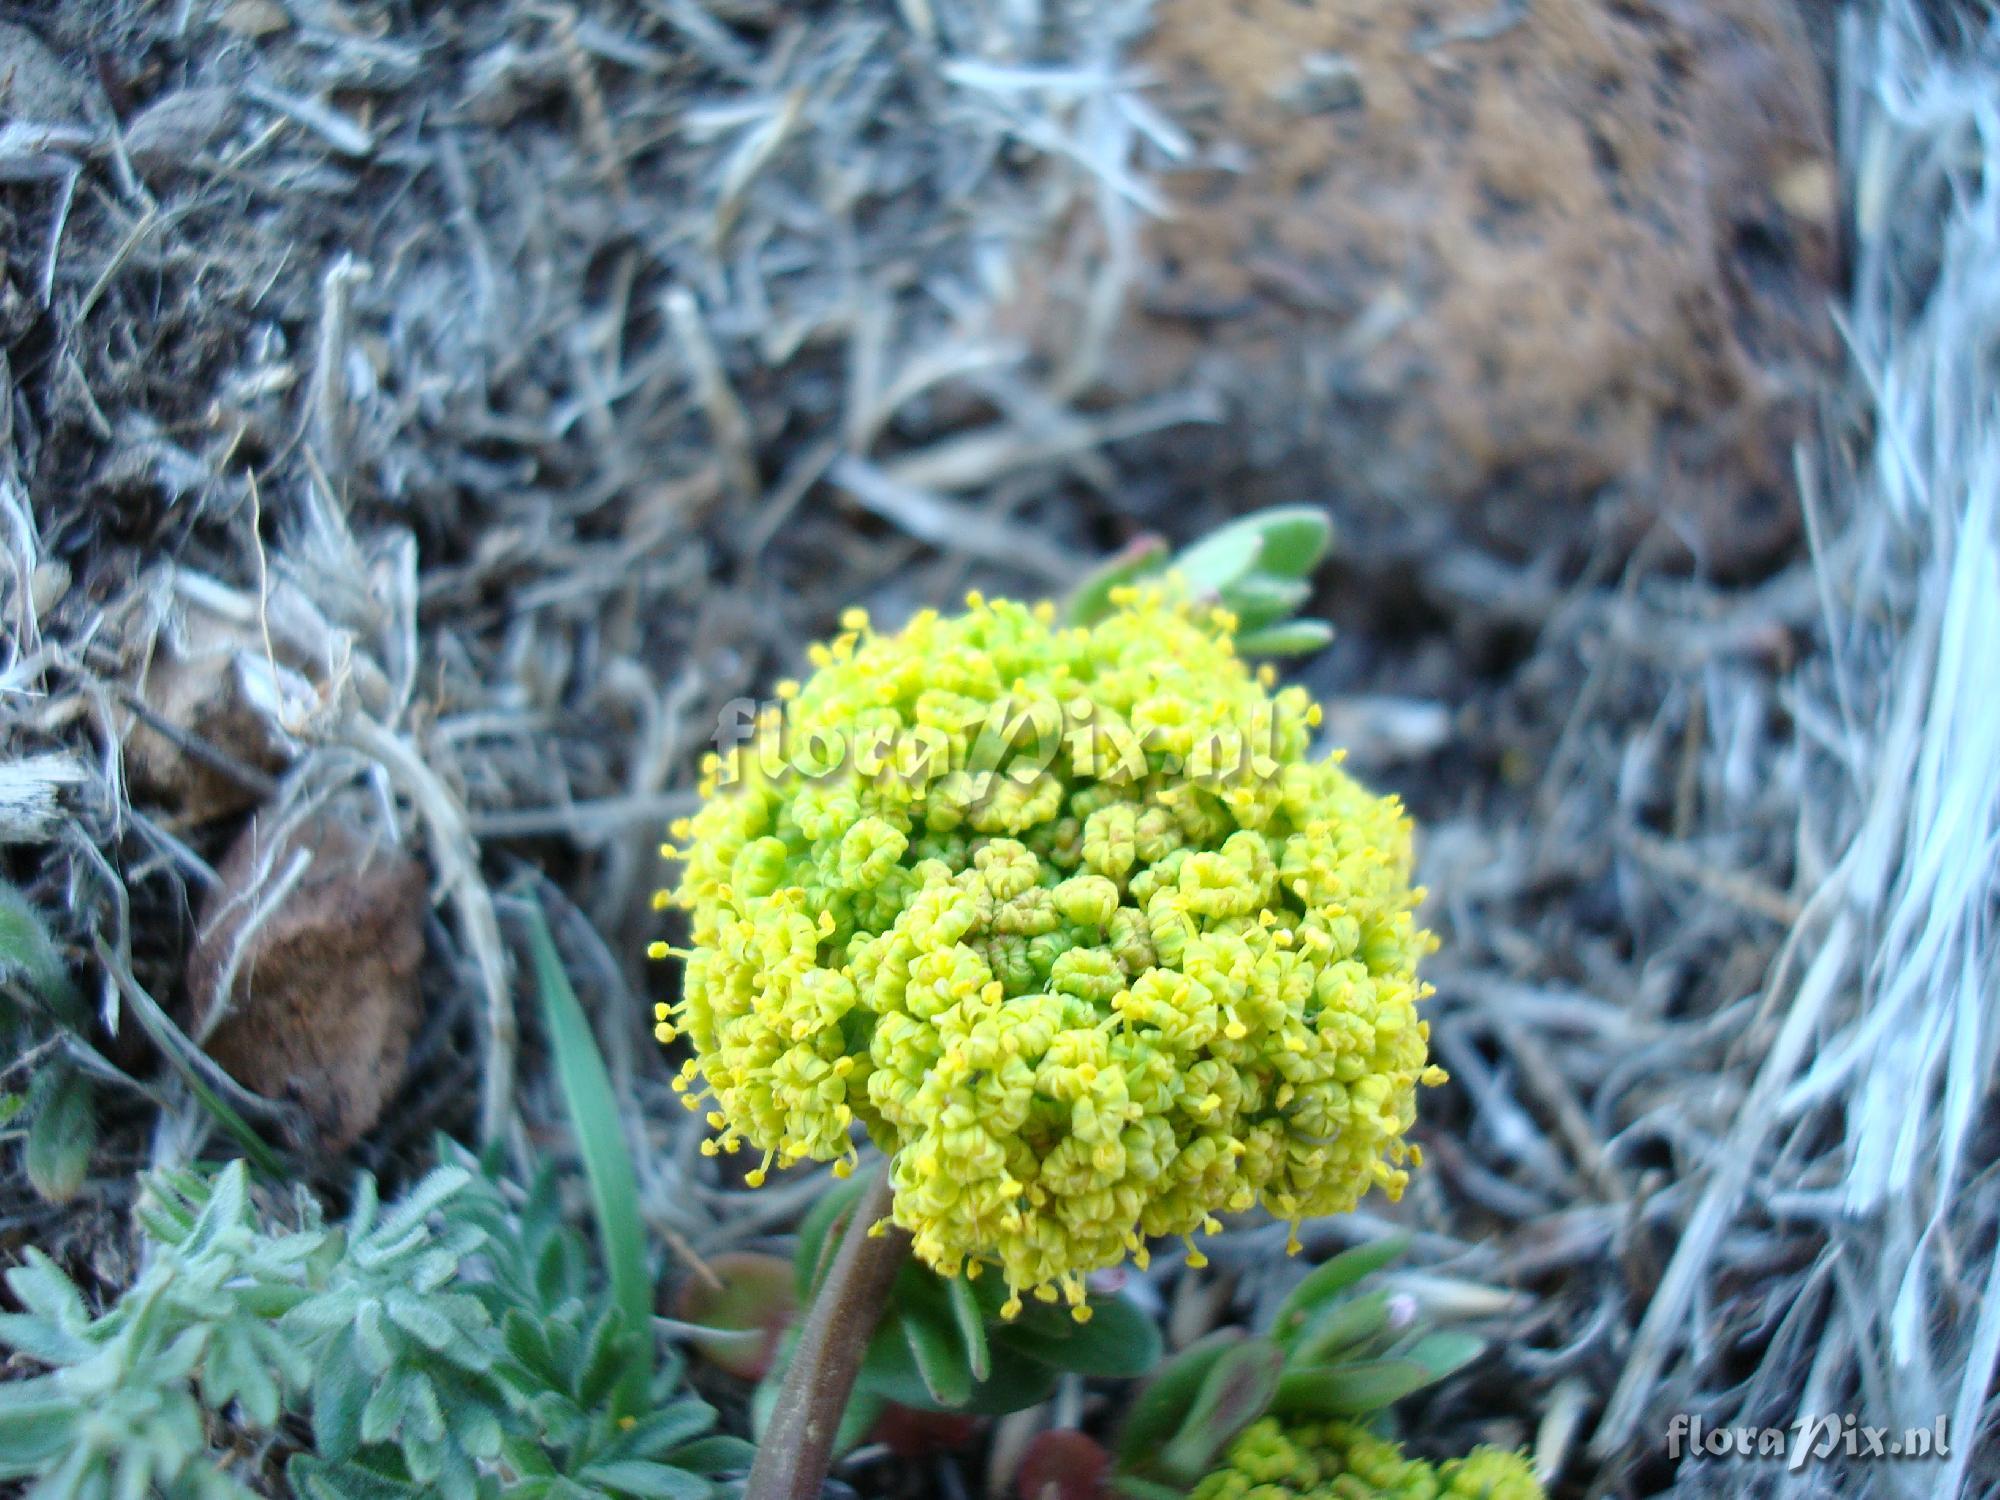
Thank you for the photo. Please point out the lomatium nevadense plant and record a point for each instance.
(1068, 921)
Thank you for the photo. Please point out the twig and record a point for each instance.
(950, 525)
(727, 421)
(458, 867)
(792, 1459)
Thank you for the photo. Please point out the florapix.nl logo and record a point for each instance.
(970, 753)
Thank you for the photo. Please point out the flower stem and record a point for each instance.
(793, 1456)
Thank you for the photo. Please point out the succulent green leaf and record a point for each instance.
(1119, 1341)
(1340, 1326)
(1163, 1405)
(1295, 537)
(1445, 1352)
(1219, 559)
(1349, 1390)
(1236, 1390)
(1292, 638)
(1090, 601)
(971, 1322)
(1332, 1277)
(939, 1356)
(1260, 599)
(816, 1239)
(742, 1312)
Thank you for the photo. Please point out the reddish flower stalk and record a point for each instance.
(793, 1456)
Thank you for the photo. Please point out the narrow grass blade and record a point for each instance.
(614, 1187)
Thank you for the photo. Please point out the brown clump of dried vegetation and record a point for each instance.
(430, 419)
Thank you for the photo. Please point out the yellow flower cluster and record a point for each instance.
(1341, 1461)
(1081, 985)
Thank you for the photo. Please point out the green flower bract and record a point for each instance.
(1068, 922)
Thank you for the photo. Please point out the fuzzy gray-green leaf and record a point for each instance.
(63, 1134)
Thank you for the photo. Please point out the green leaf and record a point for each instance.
(816, 1239)
(53, 1328)
(614, 1187)
(37, 1422)
(889, 1370)
(1090, 601)
(1219, 559)
(971, 1321)
(403, 1227)
(315, 1478)
(340, 1392)
(864, 1410)
(655, 1435)
(1145, 1489)
(1293, 638)
(422, 1321)
(648, 1481)
(1119, 1341)
(1295, 538)
(1330, 1278)
(608, 1357)
(1161, 1407)
(29, 954)
(234, 1370)
(940, 1358)
(748, 1311)
(1446, 1352)
(63, 1134)
(1260, 600)
(1339, 1326)
(1235, 1392)
(719, 1454)
(525, 1341)
(1350, 1390)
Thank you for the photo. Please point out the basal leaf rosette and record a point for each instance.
(1066, 919)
